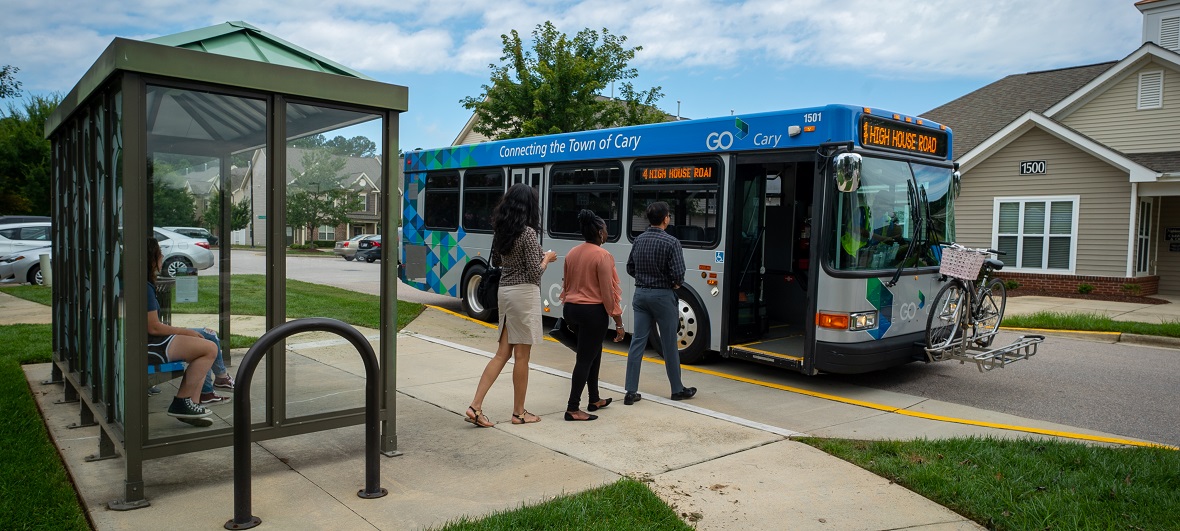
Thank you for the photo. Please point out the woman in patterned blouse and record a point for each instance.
(516, 247)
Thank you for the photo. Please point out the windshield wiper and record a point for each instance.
(915, 195)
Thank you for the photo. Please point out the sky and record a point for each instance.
(709, 57)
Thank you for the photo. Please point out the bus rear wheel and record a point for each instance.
(469, 294)
(692, 336)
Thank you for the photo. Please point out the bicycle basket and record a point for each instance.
(961, 263)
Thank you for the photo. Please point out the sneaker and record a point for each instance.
(685, 393)
(200, 422)
(631, 398)
(213, 398)
(224, 382)
(153, 391)
(184, 408)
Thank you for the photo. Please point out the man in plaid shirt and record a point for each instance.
(657, 264)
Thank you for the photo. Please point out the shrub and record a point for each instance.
(1132, 288)
(1011, 284)
(1084, 288)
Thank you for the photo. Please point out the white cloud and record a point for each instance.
(52, 41)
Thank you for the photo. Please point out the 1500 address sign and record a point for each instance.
(1030, 167)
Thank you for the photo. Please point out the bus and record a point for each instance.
(810, 236)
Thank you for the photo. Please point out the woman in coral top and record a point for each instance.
(590, 296)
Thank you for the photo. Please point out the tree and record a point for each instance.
(357, 146)
(9, 86)
(556, 87)
(239, 215)
(315, 197)
(25, 157)
(172, 207)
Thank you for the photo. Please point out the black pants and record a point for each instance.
(590, 322)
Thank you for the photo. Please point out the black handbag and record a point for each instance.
(565, 334)
(488, 286)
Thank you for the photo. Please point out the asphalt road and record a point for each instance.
(1121, 389)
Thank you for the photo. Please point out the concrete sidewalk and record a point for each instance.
(724, 459)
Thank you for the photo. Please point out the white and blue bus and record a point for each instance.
(810, 236)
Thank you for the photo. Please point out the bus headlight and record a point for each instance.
(862, 320)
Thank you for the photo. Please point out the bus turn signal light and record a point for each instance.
(837, 321)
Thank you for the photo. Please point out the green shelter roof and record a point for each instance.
(243, 41)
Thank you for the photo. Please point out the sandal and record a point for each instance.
(525, 418)
(476, 416)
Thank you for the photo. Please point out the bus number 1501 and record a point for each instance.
(812, 117)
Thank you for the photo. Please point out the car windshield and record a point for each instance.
(874, 226)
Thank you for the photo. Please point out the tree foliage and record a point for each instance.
(25, 157)
(239, 216)
(557, 86)
(315, 197)
(171, 206)
(9, 86)
(357, 146)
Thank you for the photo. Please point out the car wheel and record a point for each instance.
(35, 277)
(370, 259)
(346, 258)
(173, 265)
(469, 294)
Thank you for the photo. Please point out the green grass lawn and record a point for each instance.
(1030, 484)
(1089, 322)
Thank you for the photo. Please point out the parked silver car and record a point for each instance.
(183, 252)
(347, 248)
(23, 266)
(15, 237)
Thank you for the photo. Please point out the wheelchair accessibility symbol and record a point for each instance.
(720, 257)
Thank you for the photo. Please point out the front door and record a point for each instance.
(747, 247)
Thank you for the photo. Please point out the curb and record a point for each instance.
(1105, 337)
(1151, 341)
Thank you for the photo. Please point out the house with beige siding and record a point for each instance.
(1075, 172)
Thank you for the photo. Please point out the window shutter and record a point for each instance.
(1151, 90)
(1170, 33)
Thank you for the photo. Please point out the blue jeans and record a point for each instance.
(218, 363)
(654, 306)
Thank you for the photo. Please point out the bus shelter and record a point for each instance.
(203, 122)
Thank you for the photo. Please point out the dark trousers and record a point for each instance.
(590, 322)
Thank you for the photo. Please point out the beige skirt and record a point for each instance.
(520, 313)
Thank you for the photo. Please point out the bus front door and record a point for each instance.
(766, 298)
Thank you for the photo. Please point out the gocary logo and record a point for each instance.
(724, 140)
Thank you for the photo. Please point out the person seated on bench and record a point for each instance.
(168, 343)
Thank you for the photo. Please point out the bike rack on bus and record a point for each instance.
(242, 517)
(986, 359)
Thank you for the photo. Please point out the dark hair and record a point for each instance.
(153, 259)
(518, 209)
(591, 225)
(656, 212)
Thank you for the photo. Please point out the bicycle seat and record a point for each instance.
(994, 263)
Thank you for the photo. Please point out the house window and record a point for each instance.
(326, 233)
(1036, 233)
(1143, 249)
(1151, 89)
(364, 203)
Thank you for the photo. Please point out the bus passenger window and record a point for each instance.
(482, 189)
(597, 187)
(440, 206)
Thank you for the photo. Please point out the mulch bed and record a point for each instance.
(1021, 292)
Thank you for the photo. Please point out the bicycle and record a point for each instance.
(950, 330)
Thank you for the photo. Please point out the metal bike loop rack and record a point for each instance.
(242, 517)
(986, 359)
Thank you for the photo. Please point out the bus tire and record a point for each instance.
(692, 337)
(469, 294)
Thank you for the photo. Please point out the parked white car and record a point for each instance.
(23, 266)
(347, 249)
(15, 237)
(183, 252)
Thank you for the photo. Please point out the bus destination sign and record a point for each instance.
(682, 173)
(877, 132)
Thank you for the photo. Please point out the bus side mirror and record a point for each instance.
(847, 170)
(956, 184)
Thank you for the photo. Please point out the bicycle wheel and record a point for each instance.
(944, 324)
(986, 319)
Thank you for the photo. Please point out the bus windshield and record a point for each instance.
(875, 226)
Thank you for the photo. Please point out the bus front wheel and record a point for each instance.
(469, 293)
(692, 336)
